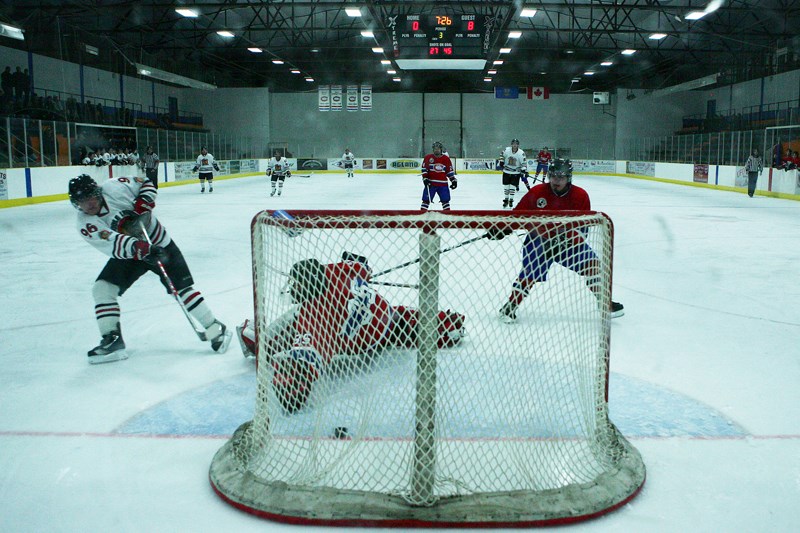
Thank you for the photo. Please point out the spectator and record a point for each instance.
(18, 81)
(7, 84)
(25, 80)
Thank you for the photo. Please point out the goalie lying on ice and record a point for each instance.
(337, 312)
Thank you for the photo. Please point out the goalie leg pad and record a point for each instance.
(292, 380)
(450, 328)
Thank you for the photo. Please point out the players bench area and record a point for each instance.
(21, 186)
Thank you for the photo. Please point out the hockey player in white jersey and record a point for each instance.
(206, 165)
(110, 218)
(278, 171)
(514, 167)
(348, 161)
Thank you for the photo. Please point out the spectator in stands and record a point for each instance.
(72, 109)
(753, 166)
(7, 85)
(18, 81)
(26, 86)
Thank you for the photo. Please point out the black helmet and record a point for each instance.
(81, 188)
(307, 280)
(514, 141)
(561, 168)
(439, 144)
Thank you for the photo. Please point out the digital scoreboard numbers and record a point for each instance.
(439, 36)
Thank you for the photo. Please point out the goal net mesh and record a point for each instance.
(410, 398)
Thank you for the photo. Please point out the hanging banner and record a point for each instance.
(352, 97)
(336, 97)
(324, 97)
(366, 98)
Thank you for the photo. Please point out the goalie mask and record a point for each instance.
(307, 280)
(561, 171)
(83, 188)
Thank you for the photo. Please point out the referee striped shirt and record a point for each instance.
(150, 160)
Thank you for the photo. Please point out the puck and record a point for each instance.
(341, 433)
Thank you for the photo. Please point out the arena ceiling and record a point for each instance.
(558, 45)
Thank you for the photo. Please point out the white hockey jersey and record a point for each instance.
(119, 195)
(348, 159)
(278, 167)
(514, 162)
(205, 163)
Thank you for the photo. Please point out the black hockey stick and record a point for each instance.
(414, 261)
(195, 326)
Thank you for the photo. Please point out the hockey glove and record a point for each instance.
(350, 256)
(426, 182)
(143, 251)
(196, 168)
(496, 234)
(453, 183)
(141, 206)
(288, 174)
(216, 167)
(130, 223)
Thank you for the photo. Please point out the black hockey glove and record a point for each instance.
(355, 258)
(496, 234)
(143, 251)
(453, 183)
(130, 223)
(426, 182)
(196, 168)
(216, 167)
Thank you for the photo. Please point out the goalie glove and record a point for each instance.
(453, 183)
(496, 234)
(150, 254)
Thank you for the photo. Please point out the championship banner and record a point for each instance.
(366, 97)
(336, 97)
(324, 97)
(352, 97)
(3, 185)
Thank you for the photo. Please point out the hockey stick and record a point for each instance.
(304, 175)
(414, 261)
(196, 327)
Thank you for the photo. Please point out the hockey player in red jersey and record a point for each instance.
(542, 162)
(539, 252)
(338, 312)
(109, 218)
(437, 168)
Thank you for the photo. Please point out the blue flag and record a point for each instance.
(506, 92)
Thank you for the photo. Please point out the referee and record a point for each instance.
(151, 166)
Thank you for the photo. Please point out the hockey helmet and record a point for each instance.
(561, 168)
(307, 280)
(514, 141)
(439, 145)
(82, 188)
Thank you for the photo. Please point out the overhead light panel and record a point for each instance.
(498, 62)
(277, 62)
(491, 72)
(628, 52)
(255, 49)
(487, 79)
(575, 80)
(188, 13)
(395, 79)
(606, 63)
(367, 33)
(657, 36)
(353, 11)
(169, 77)
(294, 71)
(695, 15)
(309, 79)
(569, 51)
(225, 33)
(12, 32)
(385, 62)
(91, 49)
(391, 72)
(527, 12)
(505, 50)
(589, 73)
(514, 34)
(377, 50)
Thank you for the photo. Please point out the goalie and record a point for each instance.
(337, 312)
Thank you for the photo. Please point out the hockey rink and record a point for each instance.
(705, 363)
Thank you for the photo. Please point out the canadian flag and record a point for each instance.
(538, 93)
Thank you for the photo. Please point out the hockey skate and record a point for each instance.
(508, 313)
(210, 189)
(110, 349)
(219, 336)
(202, 190)
(617, 310)
(247, 341)
(272, 193)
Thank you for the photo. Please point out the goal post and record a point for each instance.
(435, 412)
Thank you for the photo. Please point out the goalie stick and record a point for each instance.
(195, 326)
(417, 260)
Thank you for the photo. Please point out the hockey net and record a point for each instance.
(506, 425)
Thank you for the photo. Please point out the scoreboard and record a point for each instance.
(439, 36)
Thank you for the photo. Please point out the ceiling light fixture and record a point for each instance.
(12, 32)
(628, 52)
(491, 72)
(169, 77)
(514, 34)
(255, 49)
(353, 11)
(505, 50)
(589, 73)
(277, 62)
(487, 79)
(527, 12)
(377, 50)
(498, 62)
(225, 33)
(395, 79)
(188, 13)
(294, 71)
(606, 63)
(309, 79)
(657, 36)
(696, 15)
(391, 72)
(385, 62)
(367, 33)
